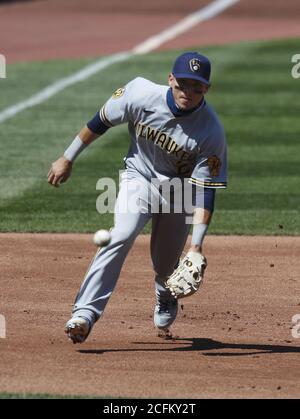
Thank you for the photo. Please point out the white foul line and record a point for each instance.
(208, 12)
(60, 85)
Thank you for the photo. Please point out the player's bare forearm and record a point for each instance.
(87, 136)
(201, 216)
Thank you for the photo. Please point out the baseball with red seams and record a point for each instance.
(102, 238)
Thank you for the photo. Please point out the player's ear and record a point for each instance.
(171, 79)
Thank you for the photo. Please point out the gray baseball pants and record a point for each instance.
(168, 238)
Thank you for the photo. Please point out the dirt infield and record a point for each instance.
(248, 20)
(44, 30)
(234, 336)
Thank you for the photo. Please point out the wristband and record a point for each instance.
(76, 147)
(199, 231)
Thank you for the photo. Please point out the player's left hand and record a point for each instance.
(188, 277)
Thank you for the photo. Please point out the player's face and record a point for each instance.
(187, 93)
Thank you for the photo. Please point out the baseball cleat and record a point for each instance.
(78, 329)
(165, 312)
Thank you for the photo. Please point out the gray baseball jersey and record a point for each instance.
(164, 146)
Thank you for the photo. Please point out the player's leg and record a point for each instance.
(104, 271)
(169, 235)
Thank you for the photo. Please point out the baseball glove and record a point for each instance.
(187, 278)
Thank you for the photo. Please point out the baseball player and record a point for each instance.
(174, 134)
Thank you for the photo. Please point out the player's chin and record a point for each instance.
(186, 104)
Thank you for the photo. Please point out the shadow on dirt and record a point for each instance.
(203, 345)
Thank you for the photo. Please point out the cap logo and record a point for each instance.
(195, 64)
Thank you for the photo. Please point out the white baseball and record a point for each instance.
(102, 238)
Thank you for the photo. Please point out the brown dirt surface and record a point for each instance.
(231, 339)
(248, 20)
(59, 29)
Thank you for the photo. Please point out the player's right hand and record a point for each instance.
(59, 172)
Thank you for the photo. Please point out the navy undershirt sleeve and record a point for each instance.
(96, 125)
(205, 198)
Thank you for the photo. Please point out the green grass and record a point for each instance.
(253, 93)
(28, 396)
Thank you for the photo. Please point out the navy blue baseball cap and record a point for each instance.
(192, 65)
